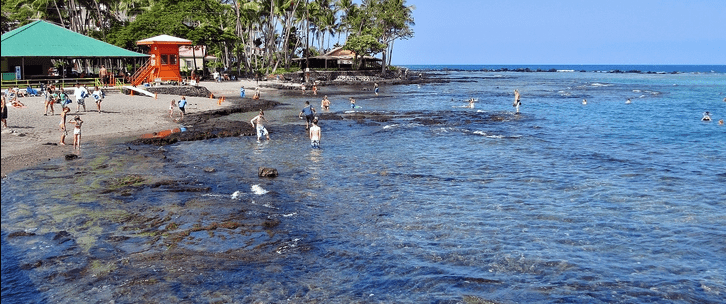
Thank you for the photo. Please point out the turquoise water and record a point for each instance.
(429, 201)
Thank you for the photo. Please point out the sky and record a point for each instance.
(565, 32)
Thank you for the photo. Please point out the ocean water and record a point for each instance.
(413, 198)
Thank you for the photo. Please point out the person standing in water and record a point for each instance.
(516, 103)
(352, 102)
(315, 134)
(309, 113)
(258, 123)
(375, 88)
(325, 103)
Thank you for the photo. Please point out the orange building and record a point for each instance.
(164, 62)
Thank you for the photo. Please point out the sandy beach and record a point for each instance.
(32, 138)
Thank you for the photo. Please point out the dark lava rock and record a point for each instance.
(266, 172)
(71, 156)
(20, 233)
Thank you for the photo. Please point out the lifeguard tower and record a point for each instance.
(164, 62)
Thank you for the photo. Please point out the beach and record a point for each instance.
(32, 138)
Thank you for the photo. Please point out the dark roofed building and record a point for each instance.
(338, 58)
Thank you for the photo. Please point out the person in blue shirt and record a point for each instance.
(182, 103)
(309, 113)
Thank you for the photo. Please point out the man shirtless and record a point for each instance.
(258, 124)
(315, 134)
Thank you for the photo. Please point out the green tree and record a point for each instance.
(363, 45)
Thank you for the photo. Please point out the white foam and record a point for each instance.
(236, 195)
(256, 189)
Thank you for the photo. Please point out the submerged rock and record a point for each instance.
(266, 172)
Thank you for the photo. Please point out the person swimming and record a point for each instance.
(706, 116)
(584, 101)
(627, 101)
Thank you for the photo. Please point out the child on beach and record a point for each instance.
(65, 101)
(49, 100)
(352, 102)
(77, 132)
(98, 95)
(315, 89)
(257, 123)
(315, 134)
(182, 104)
(64, 132)
(171, 108)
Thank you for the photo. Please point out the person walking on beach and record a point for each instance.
(315, 134)
(309, 113)
(80, 94)
(103, 74)
(517, 103)
(258, 123)
(375, 88)
(49, 100)
(98, 95)
(325, 104)
(64, 132)
(4, 112)
(77, 132)
(182, 104)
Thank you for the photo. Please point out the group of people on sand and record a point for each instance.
(182, 108)
(51, 95)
